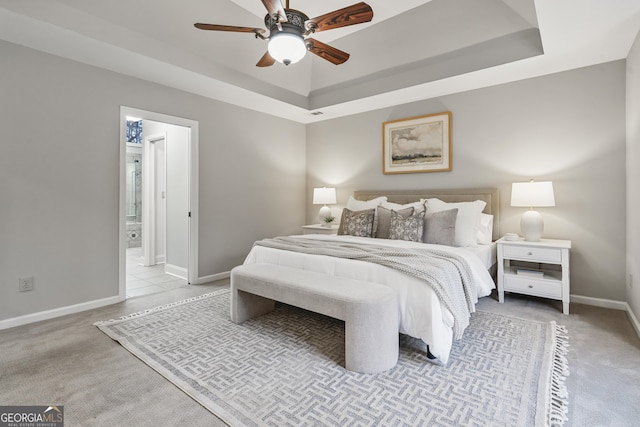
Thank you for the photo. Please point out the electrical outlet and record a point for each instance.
(25, 284)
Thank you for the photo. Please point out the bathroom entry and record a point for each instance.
(159, 198)
(165, 196)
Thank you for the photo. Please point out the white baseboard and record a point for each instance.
(57, 312)
(76, 308)
(174, 270)
(600, 302)
(634, 320)
(612, 304)
(212, 278)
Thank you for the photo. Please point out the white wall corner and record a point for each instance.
(634, 320)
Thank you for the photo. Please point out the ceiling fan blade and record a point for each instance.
(266, 60)
(324, 51)
(274, 7)
(350, 15)
(214, 27)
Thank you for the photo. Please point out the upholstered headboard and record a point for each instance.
(490, 195)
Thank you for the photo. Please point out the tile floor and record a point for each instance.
(148, 280)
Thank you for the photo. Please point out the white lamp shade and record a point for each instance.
(532, 194)
(324, 196)
(287, 48)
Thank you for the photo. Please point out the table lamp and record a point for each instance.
(324, 196)
(532, 195)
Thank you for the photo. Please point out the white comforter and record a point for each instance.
(421, 313)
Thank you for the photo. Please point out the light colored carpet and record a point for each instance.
(286, 368)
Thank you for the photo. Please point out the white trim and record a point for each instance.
(193, 188)
(194, 194)
(57, 312)
(634, 320)
(600, 302)
(122, 219)
(174, 270)
(212, 278)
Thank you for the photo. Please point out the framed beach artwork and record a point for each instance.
(417, 144)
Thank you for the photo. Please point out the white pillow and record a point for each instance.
(467, 221)
(485, 229)
(417, 206)
(359, 205)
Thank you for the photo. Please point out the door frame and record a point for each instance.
(193, 178)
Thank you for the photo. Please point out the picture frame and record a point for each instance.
(417, 144)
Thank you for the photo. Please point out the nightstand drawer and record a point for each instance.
(533, 253)
(532, 286)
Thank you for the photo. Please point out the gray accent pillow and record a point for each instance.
(406, 228)
(357, 223)
(384, 220)
(440, 227)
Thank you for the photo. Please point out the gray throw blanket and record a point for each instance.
(446, 273)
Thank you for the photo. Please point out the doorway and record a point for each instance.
(163, 202)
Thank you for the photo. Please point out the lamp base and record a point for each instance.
(531, 225)
(324, 213)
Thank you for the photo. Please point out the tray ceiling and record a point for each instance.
(412, 50)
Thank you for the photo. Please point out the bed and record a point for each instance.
(423, 313)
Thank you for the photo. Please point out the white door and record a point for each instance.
(153, 199)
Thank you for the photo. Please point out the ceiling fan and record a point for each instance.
(289, 32)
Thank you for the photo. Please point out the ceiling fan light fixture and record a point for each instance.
(287, 48)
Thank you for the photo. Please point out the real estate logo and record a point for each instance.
(31, 416)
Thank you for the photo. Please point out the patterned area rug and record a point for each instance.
(286, 369)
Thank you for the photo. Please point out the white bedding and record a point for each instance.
(421, 313)
(486, 253)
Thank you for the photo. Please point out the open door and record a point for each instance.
(182, 209)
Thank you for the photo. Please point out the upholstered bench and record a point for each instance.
(369, 310)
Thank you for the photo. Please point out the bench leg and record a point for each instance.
(245, 305)
(371, 338)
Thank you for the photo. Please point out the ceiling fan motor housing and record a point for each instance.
(288, 36)
(294, 24)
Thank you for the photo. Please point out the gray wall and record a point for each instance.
(59, 177)
(568, 128)
(633, 178)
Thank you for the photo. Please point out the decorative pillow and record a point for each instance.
(358, 223)
(406, 228)
(467, 221)
(383, 221)
(440, 227)
(485, 229)
(361, 205)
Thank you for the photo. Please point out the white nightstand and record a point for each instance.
(319, 229)
(543, 270)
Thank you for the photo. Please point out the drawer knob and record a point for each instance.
(529, 253)
(530, 286)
